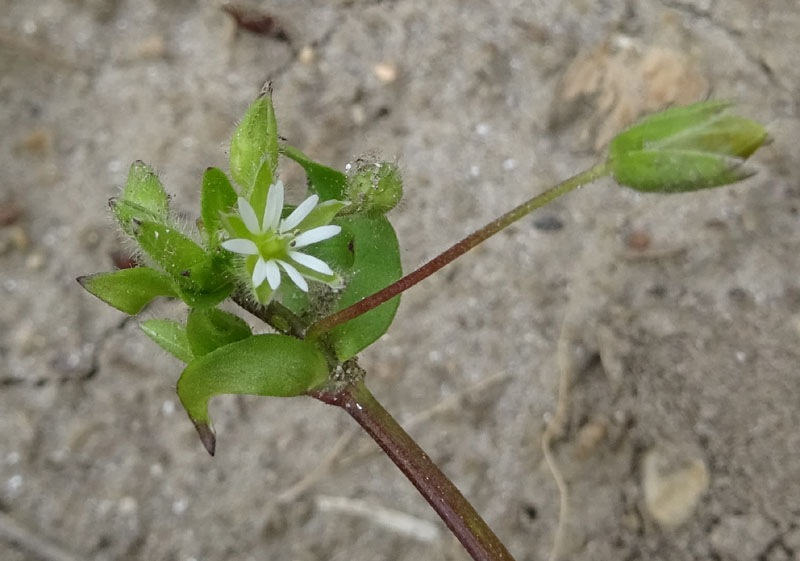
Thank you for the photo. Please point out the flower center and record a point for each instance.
(272, 246)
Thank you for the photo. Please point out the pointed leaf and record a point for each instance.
(207, 330)
(170, 336)
(255, 141)
(144, 189)
(129, 215)
(129, 290)
(268, 365)
(170, 249)
(322, 180)
(218, 196)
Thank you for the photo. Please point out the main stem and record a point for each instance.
(460, 248)
(456, 512)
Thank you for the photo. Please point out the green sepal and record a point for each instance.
(268, 365)
(207, 330)
(218, 196)
(322, 214)
(129, 290)
(254, 141)
(678, 171)
(376, 264)
(170, 336)
(324, 181)
(144, 189)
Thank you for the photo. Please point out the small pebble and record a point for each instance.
(306, 55)
(386, 72)
(548, 223)
(639, 240)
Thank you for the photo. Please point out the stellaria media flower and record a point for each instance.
(271, 244)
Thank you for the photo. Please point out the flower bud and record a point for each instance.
(254, 146)
(685, 149)
(374, 186)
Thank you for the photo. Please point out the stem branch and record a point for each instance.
(327, 323)
(448, 502)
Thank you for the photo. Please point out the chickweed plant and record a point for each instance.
(326, 275)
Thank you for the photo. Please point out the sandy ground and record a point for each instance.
(675, 319)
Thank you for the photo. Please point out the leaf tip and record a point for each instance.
(207, 436)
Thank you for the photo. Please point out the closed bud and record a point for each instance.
(685, 149)
(373, 186)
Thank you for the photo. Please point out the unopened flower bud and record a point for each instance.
(374, 186)
(685, 149)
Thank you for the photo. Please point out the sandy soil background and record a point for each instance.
(676, 318)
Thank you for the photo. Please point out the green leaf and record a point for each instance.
(268, 365)
(129, 290)
(254, 141)
(376, 264)
(218, 196)
(207, 330)
(171, 250)
(322, 214)
(129, 215)
(202, 300)
(145, 190)
(170, 336)
(324, 181)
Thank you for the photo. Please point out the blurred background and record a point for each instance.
(674, 320)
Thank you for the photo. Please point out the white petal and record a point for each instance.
(296, 277)
(315, 235)
(249, 216)
(311, 262)
(299, 214)
(241, 245)
(259, 272)
(273, 274)
(273, 208)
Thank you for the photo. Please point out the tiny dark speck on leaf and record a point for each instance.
(254, 21)
(350, 246)
(548, 223)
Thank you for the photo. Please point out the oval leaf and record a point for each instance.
(322, 180)
(170, 336)
(207, 330)
(268, 365)
(129, 290)
(376, 264)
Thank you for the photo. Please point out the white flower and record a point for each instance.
(275, 241)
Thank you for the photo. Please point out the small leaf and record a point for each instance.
(129, 215)
(203, 300)
(129, 290)
(376, 264)
(145, 190)
(170, 336)
(324, 181)
(170, 249)
(254, 141)
(268, 365)
(218, 196)
(207, 330)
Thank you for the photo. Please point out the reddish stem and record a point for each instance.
(456, 512)
(460, 248)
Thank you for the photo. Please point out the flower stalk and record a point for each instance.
(327, 323)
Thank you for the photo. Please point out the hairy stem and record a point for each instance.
(448, 502)
(274, 314)
(460, 248)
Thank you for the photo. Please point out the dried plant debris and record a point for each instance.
(608, 87)
(256, 21)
